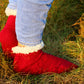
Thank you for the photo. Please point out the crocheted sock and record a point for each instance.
(40, 62)
(8, 36)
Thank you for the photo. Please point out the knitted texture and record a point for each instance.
(40, 62)
(8, 36)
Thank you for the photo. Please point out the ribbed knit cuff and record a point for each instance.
(10, 11)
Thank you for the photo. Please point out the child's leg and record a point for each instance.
(30, 23)
(7, 34)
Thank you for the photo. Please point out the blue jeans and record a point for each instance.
(30, 20)
(12, 4)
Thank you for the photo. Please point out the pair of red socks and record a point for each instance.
(32, 63)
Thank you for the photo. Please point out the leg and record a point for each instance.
(30, 23)
(7, 35)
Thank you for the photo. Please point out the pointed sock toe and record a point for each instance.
(40, 62)
(8, 36)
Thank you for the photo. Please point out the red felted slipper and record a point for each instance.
(8, 36)
(40, 62)
(32, 63)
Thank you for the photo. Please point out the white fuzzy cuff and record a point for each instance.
(28, 49)
(10, 11)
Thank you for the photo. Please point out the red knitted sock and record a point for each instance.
(40, 62)
(8, 36)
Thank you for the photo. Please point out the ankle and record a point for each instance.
(20, 45)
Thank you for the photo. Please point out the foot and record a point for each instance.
(40, 62)
(8, 36)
